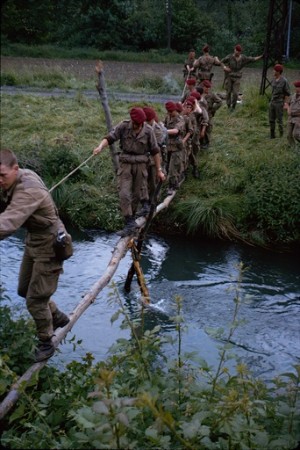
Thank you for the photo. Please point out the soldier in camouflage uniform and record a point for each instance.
(201, 115)
(214, 102)
(189, 71)
(161, 134)
(280, 95)
(233, 65)
(192, 145)
(175, 146)
(293, 126)
(27, 203)
(204, 64)
(137, 141)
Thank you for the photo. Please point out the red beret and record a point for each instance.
(171, 106)
(137, 115)
(205, 48)
(238, 48)
(190, 101)
(278, 68)
(150, 113)
(179, 107)
(196, 95)
(191, 82)
(206, 83)
(297, 83)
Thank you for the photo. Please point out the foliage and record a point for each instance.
(138, 398)
(142, 25)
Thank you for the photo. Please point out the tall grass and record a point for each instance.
(248, 187)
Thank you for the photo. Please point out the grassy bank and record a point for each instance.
(248, 187)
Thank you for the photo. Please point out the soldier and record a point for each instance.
(201, 115)
(189, 71)
(280, 95)
(161, 134)
(27, 203)
(191, 86)
(233, 65)
(192, 146)
(293, 125)
(137, 140)
(205, 63)
(214, 102)
(175, 147)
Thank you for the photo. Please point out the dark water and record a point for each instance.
(205, 276)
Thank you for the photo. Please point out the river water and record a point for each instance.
(204, 274)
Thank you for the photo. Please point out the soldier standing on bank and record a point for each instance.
(137, 141)
(214, 102)
(233, 65)
(189, 71)
(27, 203)
(204, 64)
(280, 95)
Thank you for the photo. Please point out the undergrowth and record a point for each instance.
(138, 398)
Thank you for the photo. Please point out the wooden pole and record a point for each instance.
(103, 97)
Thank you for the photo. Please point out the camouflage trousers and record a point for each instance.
(38, 279)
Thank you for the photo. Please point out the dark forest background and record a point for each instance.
(144, 25)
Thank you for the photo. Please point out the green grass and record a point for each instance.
(232, 199)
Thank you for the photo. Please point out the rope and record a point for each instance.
(71, 173)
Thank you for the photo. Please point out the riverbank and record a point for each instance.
(248, 187)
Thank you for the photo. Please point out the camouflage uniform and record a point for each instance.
(280, 90)
(160, 132)
(134, 158)
(204, 65)
(233, 78)
(293, 126)
(214, 102)
(175, 150)
(29, 204)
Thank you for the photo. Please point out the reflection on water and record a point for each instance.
(204, 275)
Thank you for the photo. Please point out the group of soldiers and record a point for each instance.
(197, 71)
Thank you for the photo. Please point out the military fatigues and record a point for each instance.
(134, 157)
(280, 90)
(233, 78)
(189, 62)
(175, 150)
(161, 133)
(293, 126)
(204, 66)
(214, 102)
(188, 129)
(29, 204)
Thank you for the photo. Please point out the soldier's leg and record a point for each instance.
(25, 274)
(43, 284)
(125, 188)
(140, 187)
(235, 92)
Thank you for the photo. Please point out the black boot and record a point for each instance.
(44, 350)
(60, 319)
(272, 134)
(130, 227)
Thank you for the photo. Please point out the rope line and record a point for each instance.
(71, 173)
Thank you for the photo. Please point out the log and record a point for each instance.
(101, 87)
